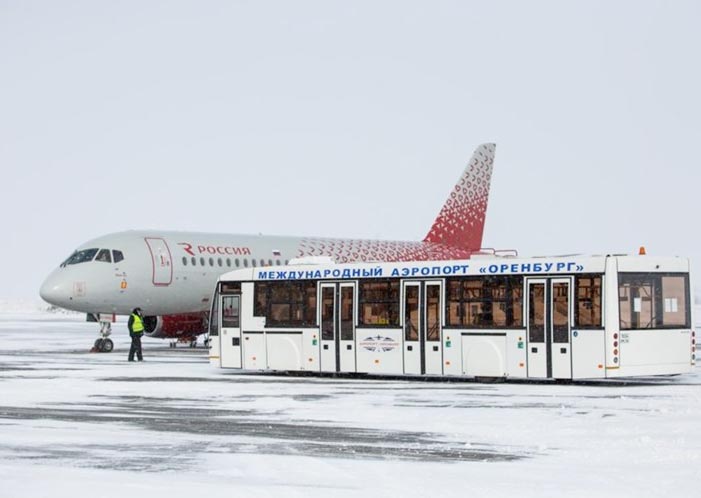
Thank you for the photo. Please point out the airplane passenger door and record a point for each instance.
(162, 261)
(230, 336)
(423, 353)
(549, 311)
(338, 327)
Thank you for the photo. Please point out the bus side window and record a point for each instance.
(261, 296)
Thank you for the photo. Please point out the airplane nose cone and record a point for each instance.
(53, 291)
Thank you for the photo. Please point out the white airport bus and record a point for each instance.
(572, 317)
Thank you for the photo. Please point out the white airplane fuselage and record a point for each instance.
(171, 275)
(168, 273)
(162, 272)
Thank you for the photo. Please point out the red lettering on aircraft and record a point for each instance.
(202, 249)
(187, 247)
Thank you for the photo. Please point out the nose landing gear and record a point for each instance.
(103, 344)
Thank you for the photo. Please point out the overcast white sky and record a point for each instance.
(349, 119)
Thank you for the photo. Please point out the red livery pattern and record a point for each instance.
(456, 233)
(345, 250)
(461, 221)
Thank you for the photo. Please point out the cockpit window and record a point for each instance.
(81, 257)
(118, 255)
(104, 256)
(65, 262)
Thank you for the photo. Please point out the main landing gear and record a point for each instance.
(192, 341)
(103, 344)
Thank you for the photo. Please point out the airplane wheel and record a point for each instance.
(98, 345)
(107, 346)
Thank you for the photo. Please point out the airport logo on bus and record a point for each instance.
(378, 344)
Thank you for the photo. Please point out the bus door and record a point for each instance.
(422, 328)
(549, 312)
(338, 327)
(230, 336)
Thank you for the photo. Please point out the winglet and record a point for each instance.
(460, 222)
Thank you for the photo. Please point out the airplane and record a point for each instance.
(171, 275)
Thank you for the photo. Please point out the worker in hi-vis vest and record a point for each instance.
(136, 330)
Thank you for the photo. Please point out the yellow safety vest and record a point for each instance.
(138, 326)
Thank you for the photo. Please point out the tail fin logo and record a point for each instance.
(460, 222)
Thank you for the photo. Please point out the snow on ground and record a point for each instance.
(74, 423)
(23, 306)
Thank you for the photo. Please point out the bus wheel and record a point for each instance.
(107, 345)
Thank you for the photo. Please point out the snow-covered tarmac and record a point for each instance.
(74, 423)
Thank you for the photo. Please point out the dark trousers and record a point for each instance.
(135, 347)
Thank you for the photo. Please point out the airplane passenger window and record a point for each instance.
(211, 261)
(219, 262)
(117, 256)
(104, 256)
(193, 260)
(228, 262)
(202, 261)
(253, 262)
(184, 260)
(237, 262)
(245, 262)
(270, 262)
(277, 262)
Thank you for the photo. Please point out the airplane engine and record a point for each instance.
(182, 326)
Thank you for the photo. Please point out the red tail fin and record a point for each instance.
(461, 220)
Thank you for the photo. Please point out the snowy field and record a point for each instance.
(80, 424)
